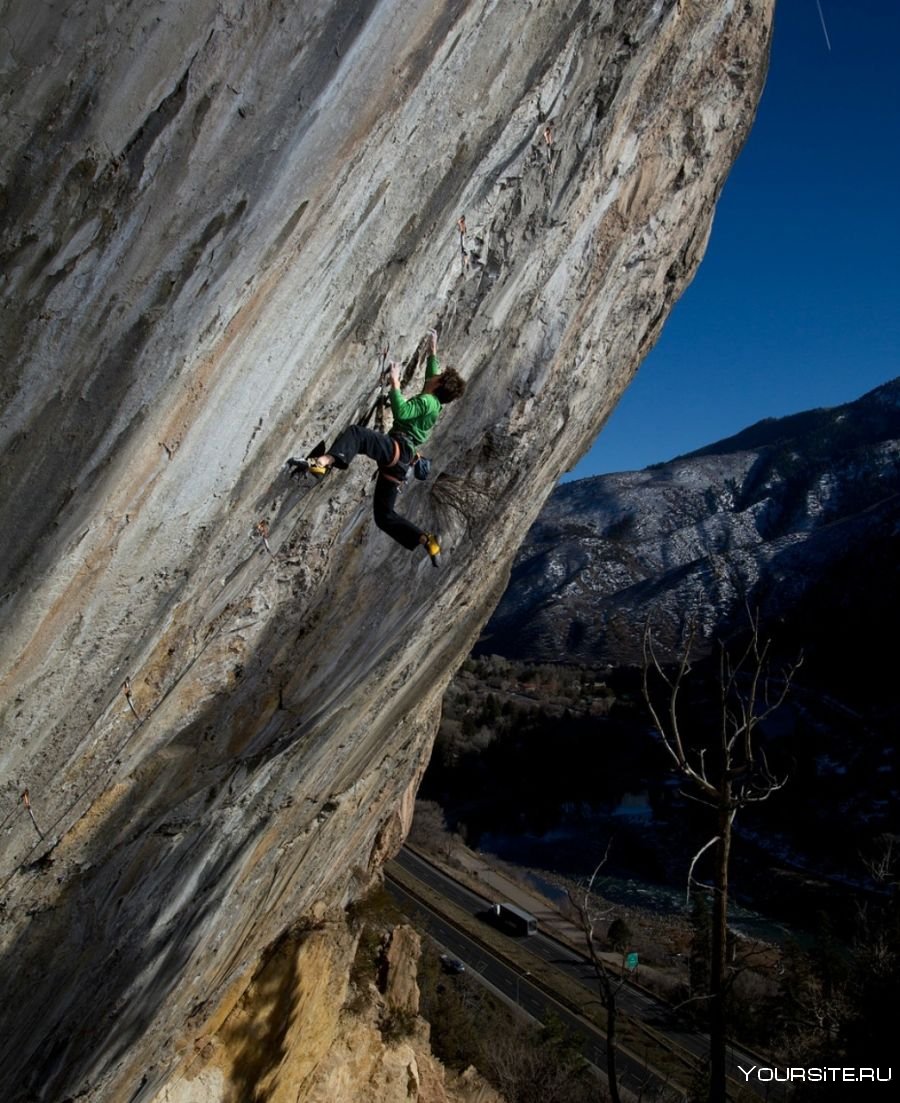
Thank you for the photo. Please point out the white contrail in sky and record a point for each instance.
(824, 28)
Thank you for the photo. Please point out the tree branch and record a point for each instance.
(690, 877)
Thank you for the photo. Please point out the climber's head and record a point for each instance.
(447, 386)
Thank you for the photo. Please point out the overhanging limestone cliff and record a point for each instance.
(214, 215)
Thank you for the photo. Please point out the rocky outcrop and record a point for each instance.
(295, 1034)
(794, 517)
(219, 688)
(401, 992)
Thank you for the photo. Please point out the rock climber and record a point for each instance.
(395, 452)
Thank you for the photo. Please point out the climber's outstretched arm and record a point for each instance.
(432, 364)
(394, 375)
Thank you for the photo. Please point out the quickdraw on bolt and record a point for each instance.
(126, 686)
(262, 530)
(26, 800)
(381, 402)
(461, 226)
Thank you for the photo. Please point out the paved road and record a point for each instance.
(632, 1001)
(516, 989)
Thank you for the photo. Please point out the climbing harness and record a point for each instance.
(401, 470)
(396, 472)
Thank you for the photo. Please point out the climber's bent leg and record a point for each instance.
(357, 440)
(387, 518)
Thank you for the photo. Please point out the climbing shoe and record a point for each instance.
(433, 547)
(303, 467)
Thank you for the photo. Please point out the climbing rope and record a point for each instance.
(381, 392)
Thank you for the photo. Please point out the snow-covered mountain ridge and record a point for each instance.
(765, 515)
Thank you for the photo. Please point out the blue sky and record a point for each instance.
(797, 301)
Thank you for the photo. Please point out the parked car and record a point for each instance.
(452, 964)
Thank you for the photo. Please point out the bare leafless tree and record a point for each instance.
(884, 865)
(728, 770)
(526, 1069)
(610, 981)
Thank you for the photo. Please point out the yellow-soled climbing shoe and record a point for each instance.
(433, 547)
(306, 467)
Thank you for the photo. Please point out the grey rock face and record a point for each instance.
(758, 519)
(213, 217)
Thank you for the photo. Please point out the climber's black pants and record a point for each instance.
(360, 441)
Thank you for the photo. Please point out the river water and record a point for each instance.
(530, 854)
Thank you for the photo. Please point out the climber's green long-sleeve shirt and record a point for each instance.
(415, 417)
